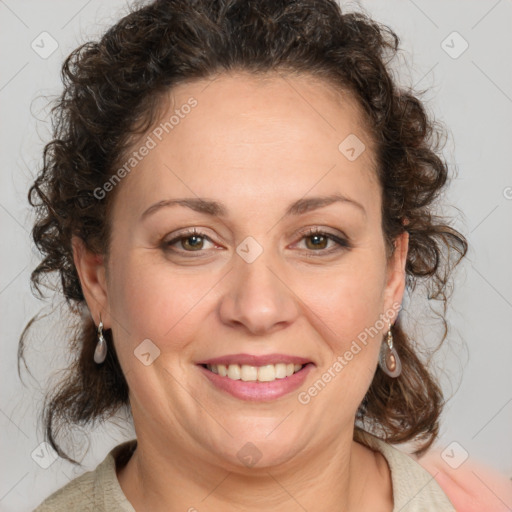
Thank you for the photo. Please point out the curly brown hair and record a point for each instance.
(113, 90)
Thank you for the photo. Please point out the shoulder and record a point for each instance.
(414, 488)
(96, 490)
(77, 495)
(471, 485)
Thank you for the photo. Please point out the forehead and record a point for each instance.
(248, 135)
(275, 109)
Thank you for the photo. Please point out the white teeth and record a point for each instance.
(248, 373)
(267, 373)
(234, 371)
(280, 371)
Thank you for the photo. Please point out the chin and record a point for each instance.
(259, 448)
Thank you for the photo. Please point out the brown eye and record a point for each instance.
(192, 241)
(318, 241)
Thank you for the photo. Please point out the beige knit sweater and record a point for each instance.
(414, 489)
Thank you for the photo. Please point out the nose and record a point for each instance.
(258, 298)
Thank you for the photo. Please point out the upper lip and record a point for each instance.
(253, 360)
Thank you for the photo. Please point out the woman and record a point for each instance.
(237, 196)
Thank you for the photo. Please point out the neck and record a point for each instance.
(334, 478)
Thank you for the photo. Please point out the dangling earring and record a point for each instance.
(100, 353)
(389, 361)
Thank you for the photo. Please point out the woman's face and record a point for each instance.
(253, 286)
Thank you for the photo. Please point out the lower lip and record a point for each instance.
(258, 391)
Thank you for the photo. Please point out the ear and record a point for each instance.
(395, 285)
(91, 271)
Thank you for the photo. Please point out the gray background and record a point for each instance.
(471, 93)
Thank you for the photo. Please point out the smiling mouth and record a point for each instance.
(248, 373)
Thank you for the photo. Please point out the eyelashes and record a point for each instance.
(316, 233)
(187, 236)
(192, 243)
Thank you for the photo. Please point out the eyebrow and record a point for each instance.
(217, 209)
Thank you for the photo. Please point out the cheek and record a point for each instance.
(347, 300)
(151, 300)
(346, 312)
